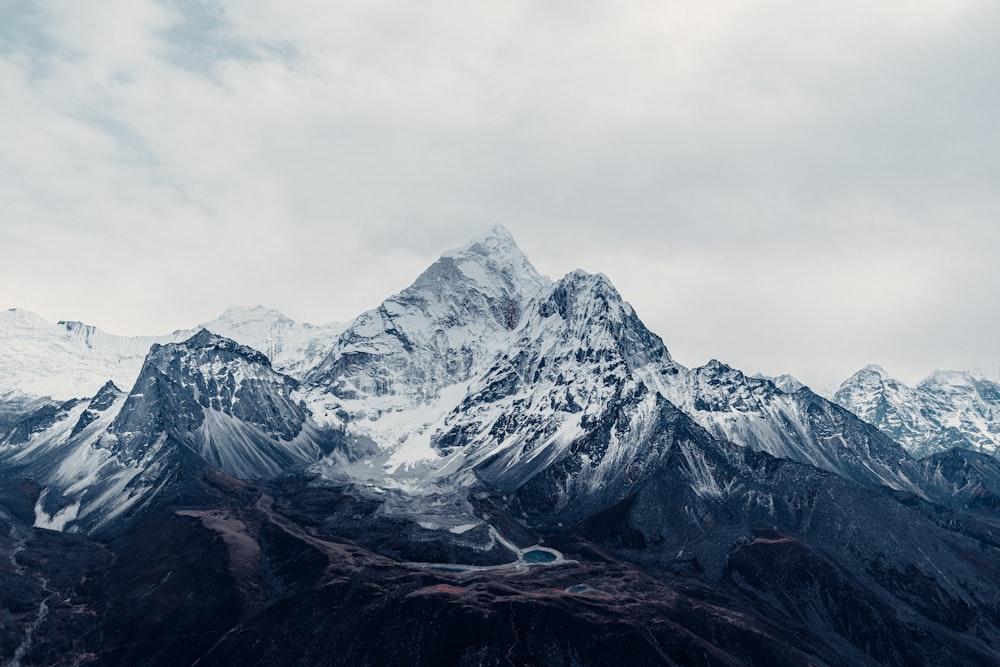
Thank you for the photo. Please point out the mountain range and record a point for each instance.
(491, 467)
(947, 409)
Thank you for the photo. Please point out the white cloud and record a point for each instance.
(160, 161)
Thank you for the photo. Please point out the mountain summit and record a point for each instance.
(438, 331)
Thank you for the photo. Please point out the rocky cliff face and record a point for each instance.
(221, 399)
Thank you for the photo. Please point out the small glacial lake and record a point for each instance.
(538, 556)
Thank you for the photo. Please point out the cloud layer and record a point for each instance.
(788, 187)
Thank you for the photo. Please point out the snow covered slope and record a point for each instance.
(294, 348)
(71, 360)
(66, 359)
(566, 409)
(786, 383)
(15, 405)
(887, 403)
(400, 368)
(440, 330)
(947, 409)
(800, 426)
(221, 399)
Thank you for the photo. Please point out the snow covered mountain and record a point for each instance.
(481, 371)
(566, 402)
(71, 360)
(205, 403)
(484, 365)
(362, 472)
(786, 383)
(440, 330)
(398, 370)
(67, 359)
(947, 409)
(800, 426)
(294, 348)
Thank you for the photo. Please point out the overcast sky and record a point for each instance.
(786, 186)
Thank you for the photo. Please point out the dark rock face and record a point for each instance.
(862, 453)
(796, 584)
(168, 598)
(15, 409)
(101, 401)
(42, 619)
(37, 421)
(240, 581)
(180, 382)
(962, 478)
(856, 554)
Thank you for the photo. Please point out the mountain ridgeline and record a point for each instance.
(947, 409)
(489, 468)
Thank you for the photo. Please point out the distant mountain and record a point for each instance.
(947, 409)
(39, 359)
(67, 359)
(294, 348)
(14, 405)
(786, 383)
(800, 426)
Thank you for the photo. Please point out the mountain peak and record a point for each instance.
(872, 374)
(206, 340)
(242, 314)
(203, 338)
(437, 330)
(491, 265)
(492, 256)
(497, 237)
(587, 295)
(596, 279)
(22, 316)
(948, 377)
(109, 386)
(787, 383)
(717, 366)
